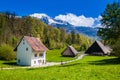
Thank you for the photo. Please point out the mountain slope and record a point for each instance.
(89, 31)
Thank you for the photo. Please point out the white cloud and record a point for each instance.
(99, 18)
(39, 15)
(99, 25)
(72, 19)
(76, 20)
(97, 22)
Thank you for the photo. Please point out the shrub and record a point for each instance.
(77, 47)
(6, 52)
(116, 48)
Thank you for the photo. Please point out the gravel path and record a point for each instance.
(47, 64)
(79, 57)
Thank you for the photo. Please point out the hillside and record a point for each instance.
(13, 28)
(86, 30)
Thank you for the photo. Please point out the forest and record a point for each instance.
(13, 28)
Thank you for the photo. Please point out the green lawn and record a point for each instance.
(55, 56)
(7, 64)
(89, 68)
(52, 56)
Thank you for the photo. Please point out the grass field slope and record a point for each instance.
(89, 68)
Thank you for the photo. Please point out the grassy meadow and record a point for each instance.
(55, 56)
(8, 64)
(89, 68)
(51, 56)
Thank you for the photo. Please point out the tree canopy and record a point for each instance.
(111, 23)
(13, 28)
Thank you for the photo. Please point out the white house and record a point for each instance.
(31, 51)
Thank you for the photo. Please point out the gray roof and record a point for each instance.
(69, 51)
(73, 50)
(104, 48)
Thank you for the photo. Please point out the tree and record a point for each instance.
(13, 28)
(73, 36)
(116, 48)
(111, 22)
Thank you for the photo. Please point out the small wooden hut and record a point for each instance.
(69, 52)
(97, 48)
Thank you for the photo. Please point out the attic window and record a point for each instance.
(23, 43)
(26, 49)
(35, 55)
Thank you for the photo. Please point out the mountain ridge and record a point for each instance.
(89, 31)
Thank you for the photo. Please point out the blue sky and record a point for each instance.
(89, 8)
(84, 13)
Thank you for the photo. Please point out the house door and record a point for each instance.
(39, 62)
(43, 62)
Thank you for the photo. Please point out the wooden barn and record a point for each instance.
(97, 48)
(69, 52)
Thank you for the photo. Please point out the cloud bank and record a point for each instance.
(73, 19)
(76, 20)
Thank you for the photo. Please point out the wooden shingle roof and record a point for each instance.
(97, 47)
(35, 43)
(104, 48)
(69, 51)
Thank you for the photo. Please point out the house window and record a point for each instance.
(39, 61)
(26, 49)
(35, 55)
(41, 54)
(43, 62)
(34, 62)
(18, 60)
(23, 43)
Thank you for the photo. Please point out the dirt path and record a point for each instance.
(78, 58)
(47, 64)
(44, 65)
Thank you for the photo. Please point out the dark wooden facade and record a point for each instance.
(97, 48)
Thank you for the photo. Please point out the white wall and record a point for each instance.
(23, 55)
(28, 57)
(39, 60)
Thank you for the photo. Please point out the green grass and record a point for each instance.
(4, 64)
(55, 56)
(52, 56)
(89, 68)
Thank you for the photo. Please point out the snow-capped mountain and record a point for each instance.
(89, 31)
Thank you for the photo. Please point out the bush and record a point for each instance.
(77, 47)
(7, 53)
(116, 48)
